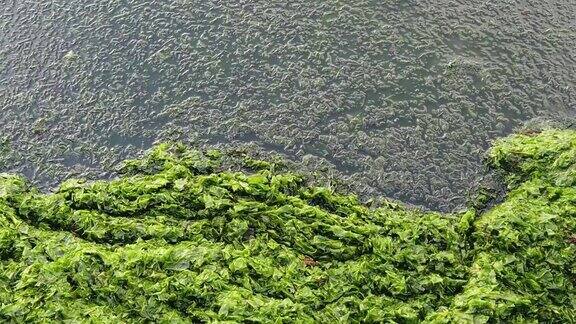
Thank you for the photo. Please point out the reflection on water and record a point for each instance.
(401, 96)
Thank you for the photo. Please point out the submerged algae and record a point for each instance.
(180, 237)
(399, 97)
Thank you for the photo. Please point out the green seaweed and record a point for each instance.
(181, 237)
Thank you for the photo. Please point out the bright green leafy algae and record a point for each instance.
(180, 237)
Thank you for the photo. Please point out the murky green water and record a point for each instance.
(403, 97)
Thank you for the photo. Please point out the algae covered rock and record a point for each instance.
(182, 237)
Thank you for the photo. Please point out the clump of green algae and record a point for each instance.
(181, 238)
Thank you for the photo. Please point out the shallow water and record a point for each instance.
(403, 97)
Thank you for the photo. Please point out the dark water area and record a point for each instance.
(402, 98)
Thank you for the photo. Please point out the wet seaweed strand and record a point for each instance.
(181, 237)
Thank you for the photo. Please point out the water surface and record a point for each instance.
(402, 97)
